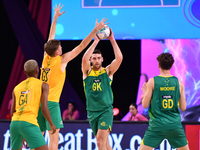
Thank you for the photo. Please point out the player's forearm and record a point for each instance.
(46, 114)
(117, 51)
(182, 105)
(144, 104)
(89, 51)
(53, 28)
(89, 38)
(145, 101)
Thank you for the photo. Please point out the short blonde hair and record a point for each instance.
(30, 65)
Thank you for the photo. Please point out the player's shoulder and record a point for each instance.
(151, 80)
(180, 83)
(150, 83)
(21, 83)
(36, 81)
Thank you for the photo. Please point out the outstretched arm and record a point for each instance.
(182, 101)
(148, 91)
(72, 54)
(112, 68)
(85, 60)
(44, 107)
(53, 25)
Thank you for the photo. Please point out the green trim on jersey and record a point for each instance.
(27, 82)
(98, 92)
(22, 108)
(163, 110)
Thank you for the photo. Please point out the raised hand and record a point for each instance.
(101, 24)
(96, 38)
(111, 35)
(57, 10)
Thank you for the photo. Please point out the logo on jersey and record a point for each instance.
(96, 80)
(167, 96)
(61, 122)
(103, 124)
(25, 92)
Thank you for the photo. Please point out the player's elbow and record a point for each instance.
(120, 58)
(182, 105)
(84, 59)
(183, 108)
(145, 105)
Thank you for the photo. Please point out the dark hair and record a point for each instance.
(133, 104)
(97, 51)
(165, 60)
(51, 46)
(73, 103)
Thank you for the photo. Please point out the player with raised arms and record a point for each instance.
(97, 85)
(53, 72)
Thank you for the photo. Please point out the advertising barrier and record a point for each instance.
(77, 135)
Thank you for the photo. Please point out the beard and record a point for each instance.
(97, 66)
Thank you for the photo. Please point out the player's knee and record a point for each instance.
(54, 137)
(108, 146)
(100, 142)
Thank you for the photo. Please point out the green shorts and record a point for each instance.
(176, 138)
(103, 120)
(54, 109)
(30, 132)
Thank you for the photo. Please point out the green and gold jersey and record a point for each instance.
(98, 92)
(28, 96)
(163, 109)
(52, 74)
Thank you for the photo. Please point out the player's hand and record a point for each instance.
(111, 37)
(53, 128)
(96, 38)
(57, 11)
(144, 87)
(101, 24)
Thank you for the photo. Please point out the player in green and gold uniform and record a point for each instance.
(164, 94)
(97, 85)
(27, 96)
(53, 72)
(99, 97)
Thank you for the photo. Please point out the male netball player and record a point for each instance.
(53, 72)
(26, 100)
(97, 85)
(164, 94)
